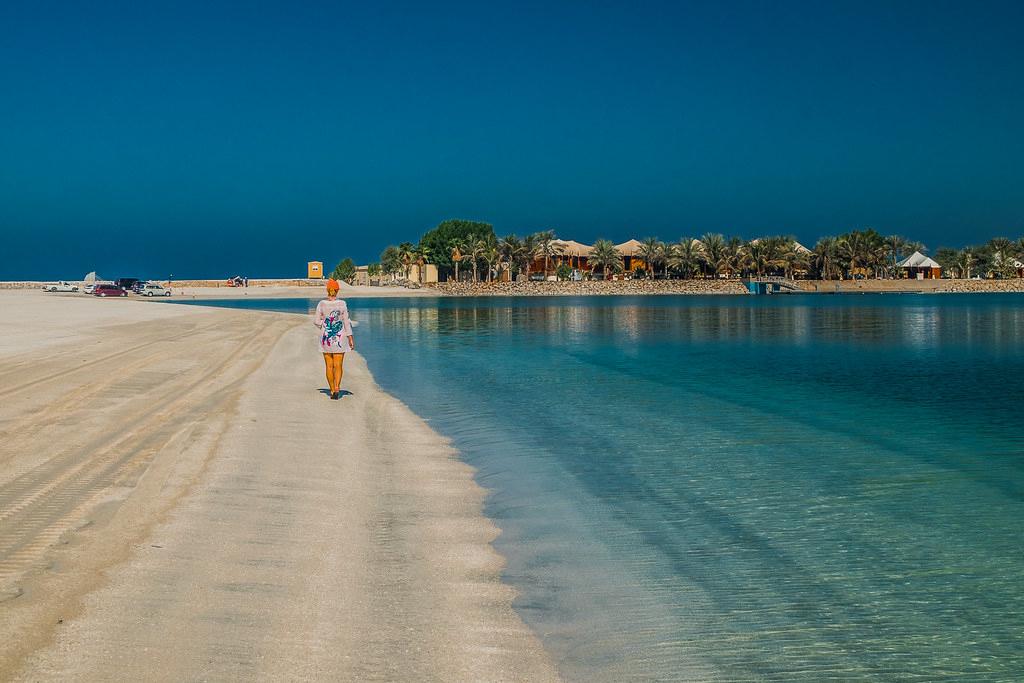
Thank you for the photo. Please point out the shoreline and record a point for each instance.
(225, 533)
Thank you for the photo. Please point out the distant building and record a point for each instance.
(315, 270)
(917, 266)
(429, 274)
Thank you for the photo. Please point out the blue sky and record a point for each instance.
(205, 139)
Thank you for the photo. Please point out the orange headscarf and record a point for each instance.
(333, 286)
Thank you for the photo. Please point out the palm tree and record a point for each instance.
(606, 256)
(490, 254)
(714, 249)
(477, 245)
(825, 258)
(528, 254)
(685, 257)
(965, 261)
(406, 256)
(652, 251)
(787, 256)
(457, 246)
(756, 256)
(853, 249)
(422, 255)
(546, 247)
(509, 251)
(732, 256)
(896, 247)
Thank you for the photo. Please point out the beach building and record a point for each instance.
(315, 270)
(917, 266)
(630, 251)
(429, 273)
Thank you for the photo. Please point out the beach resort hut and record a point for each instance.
(573, 254)
(917, 266)
(630, 251)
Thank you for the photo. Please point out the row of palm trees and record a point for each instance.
(859, 253)
(999, 257)
(485, 255)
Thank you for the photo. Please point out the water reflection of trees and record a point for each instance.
(916, 326)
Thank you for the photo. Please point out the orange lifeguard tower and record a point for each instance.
(315, 270)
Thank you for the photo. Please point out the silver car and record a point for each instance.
(152, 289)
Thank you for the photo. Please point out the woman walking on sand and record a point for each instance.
(336, 335)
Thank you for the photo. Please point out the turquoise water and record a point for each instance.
(742, 488)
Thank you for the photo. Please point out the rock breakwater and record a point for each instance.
(592, 287)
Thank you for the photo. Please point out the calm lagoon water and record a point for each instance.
(740, 488)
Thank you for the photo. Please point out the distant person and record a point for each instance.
(245, 281)
(336, 335)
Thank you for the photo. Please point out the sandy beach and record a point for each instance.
(180, 501)
(293, 291)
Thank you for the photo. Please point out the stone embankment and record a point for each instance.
(943, 286)
(591, 287)
(253, 282)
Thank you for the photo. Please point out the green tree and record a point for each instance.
(686, 257)
(825, 259)
(422, 256)
(439, 240)
(406, 255)
(528, 254)
(546, 248)
(896, 249)
(732, 256)
(713, 252)
(510, 250)
(477, 245)
(373, 270)
(563, 271)
(607, 257)
(947, 258)
(652, 251)
(391, 260)
(457, 245)
(345, 270)
(490, 254)
(756, 256)
(965, 262)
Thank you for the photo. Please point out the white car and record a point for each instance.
(154, 290)
(61, 287)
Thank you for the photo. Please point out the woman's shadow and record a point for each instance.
(343, 392)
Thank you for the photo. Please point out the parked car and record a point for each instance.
(61, 287)
(126, 283)
(106, 289)
(153, 289)
(88, 289)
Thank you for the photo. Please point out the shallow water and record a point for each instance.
(738, 488)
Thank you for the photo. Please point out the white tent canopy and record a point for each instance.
(573, 248)
(92, 277)
(918, 260)
(629, 247)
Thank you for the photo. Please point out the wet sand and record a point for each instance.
(179, 501)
